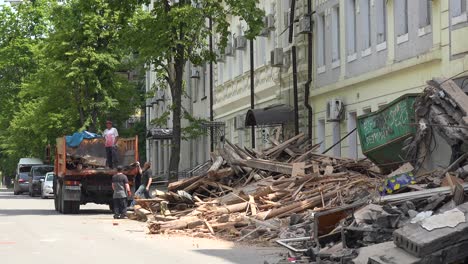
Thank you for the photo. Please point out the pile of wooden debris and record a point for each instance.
(252, 194)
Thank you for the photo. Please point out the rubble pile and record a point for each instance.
(326, 209)
(248, 194)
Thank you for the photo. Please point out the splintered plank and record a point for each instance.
(272, 166)
(283, 145)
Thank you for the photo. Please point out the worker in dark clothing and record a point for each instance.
(121, 192)
(146, 180)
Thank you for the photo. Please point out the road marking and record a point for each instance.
(7, 243)
(49, 240)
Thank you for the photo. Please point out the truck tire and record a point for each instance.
(68, 207)
(63, 205)
(74, 207)
(56, 200)
(59, 198)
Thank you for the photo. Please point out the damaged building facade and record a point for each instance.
(365, 54)
(368, 53)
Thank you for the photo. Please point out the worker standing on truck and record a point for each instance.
(146, 180)
(111, 136)
(121, 192)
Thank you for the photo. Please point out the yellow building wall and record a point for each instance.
(379, 87)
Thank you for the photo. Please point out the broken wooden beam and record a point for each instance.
(266, 165)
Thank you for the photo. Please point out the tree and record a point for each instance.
(21, 30)
(63, 72)
(176, 32)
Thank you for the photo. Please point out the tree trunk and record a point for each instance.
(176, 91)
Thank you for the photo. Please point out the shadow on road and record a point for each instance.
(18, 212)
(8, 195)
(269, 254)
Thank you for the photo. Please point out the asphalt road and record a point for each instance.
(32, 232)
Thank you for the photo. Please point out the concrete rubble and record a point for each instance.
(327, 209)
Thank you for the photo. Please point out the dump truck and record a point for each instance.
(81, 175)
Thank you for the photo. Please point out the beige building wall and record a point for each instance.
(273, 85)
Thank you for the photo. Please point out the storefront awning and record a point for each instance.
(159, 133)
(268, 116)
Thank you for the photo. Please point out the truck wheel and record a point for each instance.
(56, 201)
(64, 206)
(74, 207)
(59, 198)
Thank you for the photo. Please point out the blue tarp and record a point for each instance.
(75, 140)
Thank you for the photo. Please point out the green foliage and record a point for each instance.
(195, 129)
(21, 30)
(60, 69)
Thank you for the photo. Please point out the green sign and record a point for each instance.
(387, 125)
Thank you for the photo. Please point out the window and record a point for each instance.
(401, 18)
(229, 62)
(458, 10)
(321, 134)
(381, 16)
(336, 134)
(220, 73)
(262, 51)
(205, 77)
(321, 40)
(195, 88)
(457, 7)
(424, 13)
(351, 24)
(366, 24)
(240, 54)
(336, 33)
(352, 139)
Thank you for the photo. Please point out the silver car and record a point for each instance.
(21, 183)
(47, 186)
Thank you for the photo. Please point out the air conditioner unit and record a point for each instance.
(264, 33)
(195, 73)
(277, 57)
(270, 22)
(220, 57)
(240, 42)
(335, 110)
(239, 122)
(229, 51)
(304, 25)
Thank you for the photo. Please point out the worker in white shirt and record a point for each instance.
(111, 136)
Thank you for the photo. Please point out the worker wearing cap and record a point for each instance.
(111, 136)
(121, 190)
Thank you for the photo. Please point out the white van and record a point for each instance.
(25, 164)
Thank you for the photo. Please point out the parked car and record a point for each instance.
(21, 183)
(37, 174)
(20, 180)
(47, 186)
